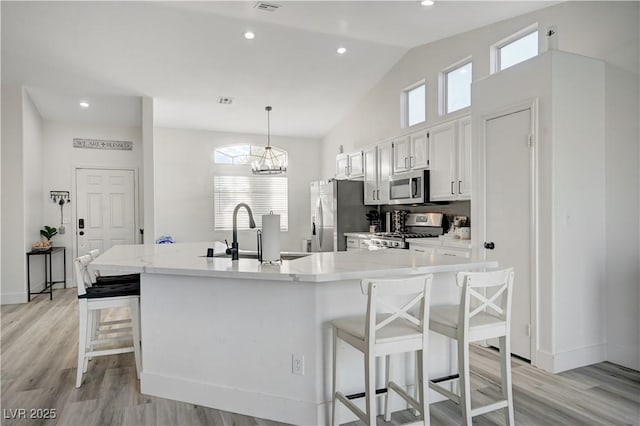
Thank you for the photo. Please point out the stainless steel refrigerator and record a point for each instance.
(337, 206)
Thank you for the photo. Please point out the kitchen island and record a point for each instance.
(255, 338)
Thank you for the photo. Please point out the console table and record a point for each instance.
(48, 274)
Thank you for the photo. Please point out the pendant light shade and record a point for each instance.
(269, 163)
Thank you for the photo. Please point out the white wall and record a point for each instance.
(604, 30)
(33, 174)
(147, 193)
(13, 285)
(60, 159)
(184, 173)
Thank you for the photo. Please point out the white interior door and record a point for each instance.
(105, 209)
(509, 213)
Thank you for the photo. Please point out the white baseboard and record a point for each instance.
(13, 298)
(568, 360)
(242, 401)
(625, 355)
(256, 404)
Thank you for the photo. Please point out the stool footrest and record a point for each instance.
(123, 321)
(490, 407)
(445, 378)
(108, 352)
(362, 394)
(404, 395)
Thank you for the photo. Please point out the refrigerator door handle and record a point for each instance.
(313, 226)
(320, 223)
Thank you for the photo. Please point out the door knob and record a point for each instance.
(489, 246)
(81, 232)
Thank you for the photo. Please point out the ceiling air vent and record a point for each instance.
(225, 100)
(267, 7)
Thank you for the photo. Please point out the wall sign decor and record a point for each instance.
(102, 144)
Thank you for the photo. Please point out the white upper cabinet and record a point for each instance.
(370, 175)
(342, 166)
(411, 152)
(401, 154)
(419, 158)
(450, 165)
(356, 165)
(464, 159)
(377, 169)
(385, 166)
(349, 166)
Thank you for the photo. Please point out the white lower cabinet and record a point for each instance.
(457, 248)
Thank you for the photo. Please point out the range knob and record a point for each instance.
(396, 244)
(384, 243)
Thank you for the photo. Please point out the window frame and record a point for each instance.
(404, 101)
(443, 86)
(496, 47)
(284, 223)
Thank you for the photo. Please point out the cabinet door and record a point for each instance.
(401, 154)
(464, 159)
(442, 153)
(419, 158)
(356, 165)
(385, 165)
(342, 166)
(371, 175)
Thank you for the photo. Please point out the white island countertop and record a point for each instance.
(189, 259)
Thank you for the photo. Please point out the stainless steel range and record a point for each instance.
(418, 225)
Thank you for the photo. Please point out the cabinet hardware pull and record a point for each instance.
(378, 194)
(346, 170)
(489, 245)
(412, 161)
(373, 194)
(405, 163)
(452, 193)
(459, 187)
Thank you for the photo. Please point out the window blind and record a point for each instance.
(262, 193)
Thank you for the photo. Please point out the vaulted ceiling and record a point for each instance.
(188, 54)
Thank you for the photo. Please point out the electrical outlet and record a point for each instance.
(297, 364)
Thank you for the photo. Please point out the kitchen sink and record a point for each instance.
(255, 256)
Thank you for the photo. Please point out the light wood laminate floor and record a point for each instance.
(39, 349)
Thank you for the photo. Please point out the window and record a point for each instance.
(516, 49)
(457, 87)
(415, 105)
(244, 154)
(262, 193)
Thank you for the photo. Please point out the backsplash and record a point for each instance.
(454, 208)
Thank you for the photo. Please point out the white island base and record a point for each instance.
(224, 335)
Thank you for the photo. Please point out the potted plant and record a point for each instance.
(48, 232)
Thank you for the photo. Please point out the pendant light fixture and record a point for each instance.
(269, 163)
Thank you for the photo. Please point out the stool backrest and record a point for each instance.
(82, 274)
(94, 253)
(493, 298)
(414, 288)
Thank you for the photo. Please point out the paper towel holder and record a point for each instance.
(259, 236)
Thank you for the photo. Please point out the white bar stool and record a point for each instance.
(396, 331)
(93, 299)
(478, 317)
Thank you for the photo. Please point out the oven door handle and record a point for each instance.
(414, 187)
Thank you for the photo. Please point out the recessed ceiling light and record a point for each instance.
(341, 50)
(84, 104)
(249, 35)
(427, 2)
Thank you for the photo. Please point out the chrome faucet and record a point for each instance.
(233, 251)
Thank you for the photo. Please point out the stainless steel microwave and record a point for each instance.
(409, 188)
